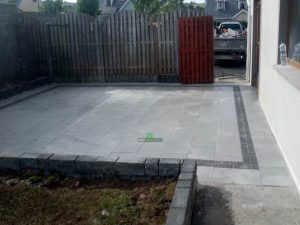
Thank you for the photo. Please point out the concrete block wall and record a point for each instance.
(16, 54)
(85, 165)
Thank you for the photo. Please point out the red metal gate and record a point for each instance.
(196, 49)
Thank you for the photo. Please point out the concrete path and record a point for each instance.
(229, 204)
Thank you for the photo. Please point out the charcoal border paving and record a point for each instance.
(130, 166)
(17, 89)
(64, 164)
(44, 162)
(169, 167)
(85, 164)
(29, 161)
(10, 160)
(151, 167)
(106, 165)
(24, 96)
(247, 147)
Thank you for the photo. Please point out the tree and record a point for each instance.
(156, 7)
(90, 7)
(52, 6)
(12, 1)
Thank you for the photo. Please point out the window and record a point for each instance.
(294, 33)
(289, 31)
(220, 4)
(107, 3)
(241, 4)
(232, 26)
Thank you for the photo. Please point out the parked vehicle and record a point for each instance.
(230, 42)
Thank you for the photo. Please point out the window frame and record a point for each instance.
(218, 5)
(285, 31)
(290, 48)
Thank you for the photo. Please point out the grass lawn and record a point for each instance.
(34, 199)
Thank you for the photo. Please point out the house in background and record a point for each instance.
(112, 6)
(26, 5)
(227, 10)
(29, 5)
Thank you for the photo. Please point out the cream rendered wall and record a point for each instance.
(279, 99)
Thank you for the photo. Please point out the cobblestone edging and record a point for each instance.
(92, 166)
(19, 88)
(182, 204)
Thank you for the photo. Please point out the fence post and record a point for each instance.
(156, 49)
(48, 50)
(96, 30)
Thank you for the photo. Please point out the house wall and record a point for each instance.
(278, 96)
(29, 5)
(128, 6)
(241, 17)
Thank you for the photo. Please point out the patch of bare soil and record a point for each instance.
(32, 199)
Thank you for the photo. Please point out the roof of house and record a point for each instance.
(115, 6)
(231, 9)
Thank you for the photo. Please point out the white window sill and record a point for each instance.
(290, 73)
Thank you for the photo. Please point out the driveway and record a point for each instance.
(222, 126)
(226, 71)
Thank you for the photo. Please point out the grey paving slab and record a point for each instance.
(151, 149)
(275, 176)
(204, 174)
(236, 176)
(271, 158)
(228, 151)
(206, 123)
(264, 141)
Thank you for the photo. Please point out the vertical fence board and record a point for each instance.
(125, 46)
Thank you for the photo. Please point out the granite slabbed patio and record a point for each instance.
(223, 127)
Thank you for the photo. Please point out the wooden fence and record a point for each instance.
(125, 46)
